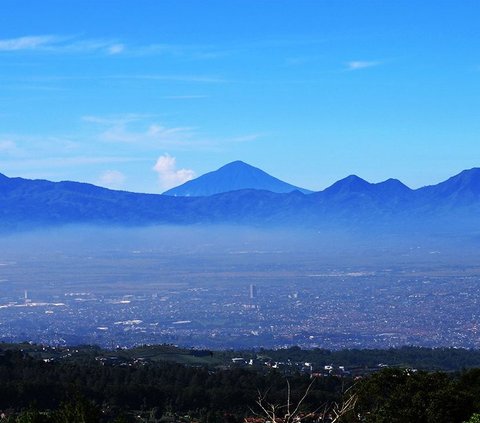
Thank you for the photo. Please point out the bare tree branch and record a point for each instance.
(288, 397)
(337, 411)
(304, 396)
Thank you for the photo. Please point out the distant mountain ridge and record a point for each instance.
(349, 204)
(232, 177)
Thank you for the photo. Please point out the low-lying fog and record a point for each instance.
(229, 239)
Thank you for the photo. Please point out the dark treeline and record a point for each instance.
(28, 383)
(447, 359)
(33, 391)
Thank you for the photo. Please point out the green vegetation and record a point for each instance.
(397, 396)
(474, 419)
(140, 388)
(87, 384)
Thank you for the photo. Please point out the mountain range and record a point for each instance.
(349, 204)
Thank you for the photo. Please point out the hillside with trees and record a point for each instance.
(35, 389)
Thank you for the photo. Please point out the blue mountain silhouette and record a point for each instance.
(232, 177)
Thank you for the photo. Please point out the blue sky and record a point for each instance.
(144, 95)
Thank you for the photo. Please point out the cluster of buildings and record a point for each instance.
(335, 311)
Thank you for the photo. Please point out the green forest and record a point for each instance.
(84, 389)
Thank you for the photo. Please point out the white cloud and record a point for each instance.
(76, 44)
(143, 132)
(361, 64)
(112, 179)
(116, 49)
(8, 147)
(168, 174)
(57, 44)
(154, 134)
(26, 43)
(134, 129)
